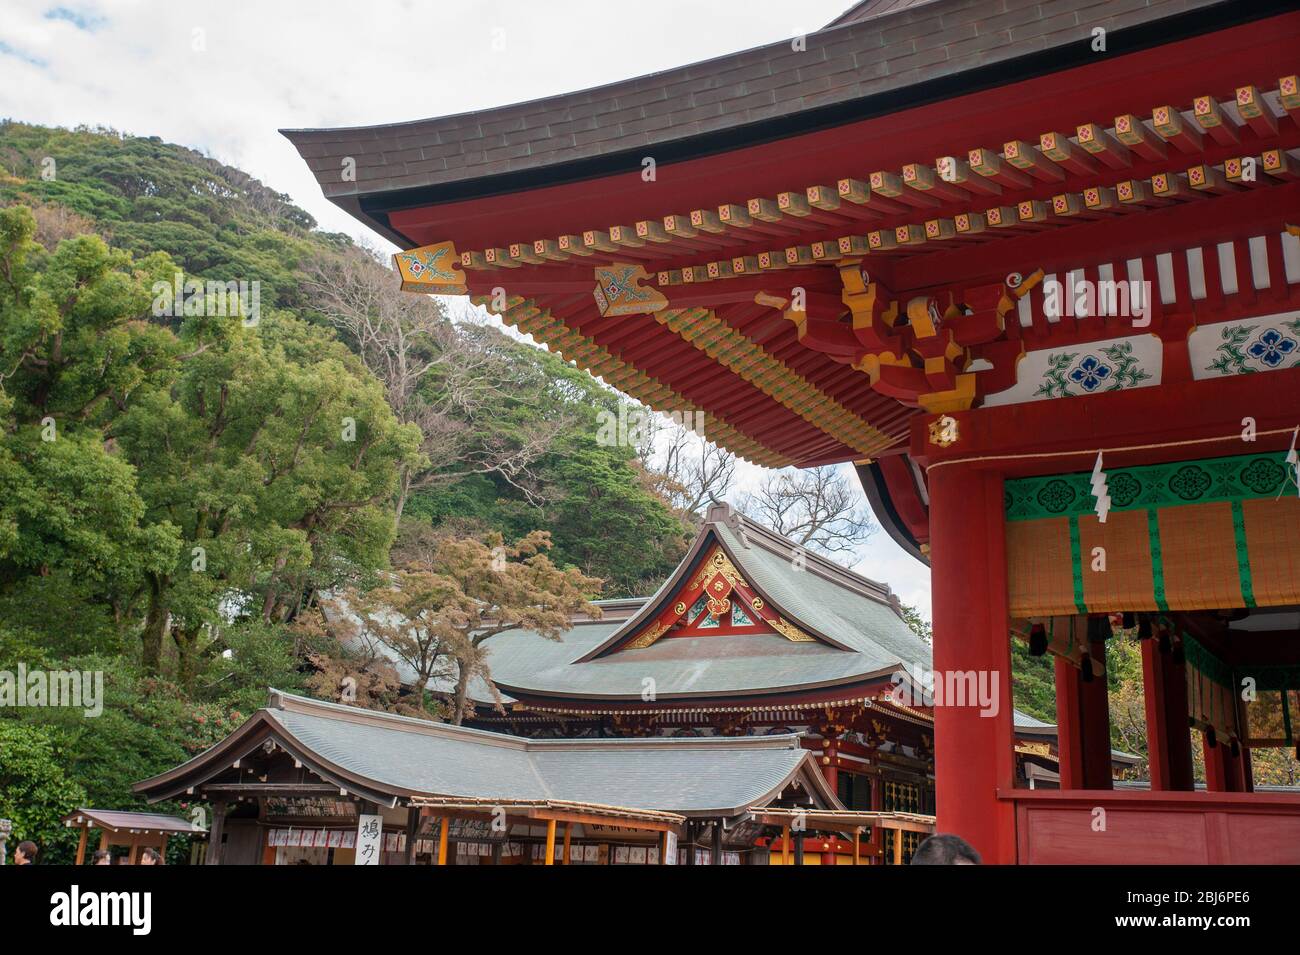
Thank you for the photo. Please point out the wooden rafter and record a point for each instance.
(1205, 127)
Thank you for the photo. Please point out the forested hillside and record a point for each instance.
(215, 222)
(179, 484)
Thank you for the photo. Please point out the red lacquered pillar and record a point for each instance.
(1069, 728)
(973, 753)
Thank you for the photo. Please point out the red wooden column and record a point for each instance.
(830, 760)
(1169, 749)
(1154, 699)
(1094, 702)
(1247, 773)
(830, 754)
(1069, 726)
(1082, 720)
(1181, 775)
(1224, 772)
(973, 753)
(878, 805)
(1221, 773)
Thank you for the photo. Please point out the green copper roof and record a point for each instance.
(407, 758)
(859, 634)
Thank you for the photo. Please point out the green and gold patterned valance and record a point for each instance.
(1188, 535)
(1238, 478)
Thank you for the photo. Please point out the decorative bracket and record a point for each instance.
(431, 269)
(619, 291)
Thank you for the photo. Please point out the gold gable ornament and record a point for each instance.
(720, 563)
(791, 632)
(648, 637)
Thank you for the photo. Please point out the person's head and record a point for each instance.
(942, 849)
(102, 857)
(150, 857)
(25, 854)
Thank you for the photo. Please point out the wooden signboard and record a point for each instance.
(370, 837)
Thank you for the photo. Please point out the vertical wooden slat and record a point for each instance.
(1277, 288)
(1213, 303)
(412, 827)
(1246, 295)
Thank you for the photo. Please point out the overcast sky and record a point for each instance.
(223, 77)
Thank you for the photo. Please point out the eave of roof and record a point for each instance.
(881, 499)
(848, 72)
(389, 759)
(115, 820)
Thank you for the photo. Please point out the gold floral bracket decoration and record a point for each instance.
(431, 269)
(619, 291)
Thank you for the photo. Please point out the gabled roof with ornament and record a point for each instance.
(747, 613)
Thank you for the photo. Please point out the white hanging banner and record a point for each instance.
(670, 850)
(370, 834)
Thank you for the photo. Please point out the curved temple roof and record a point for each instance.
(873, 59)
(856, 634)
(388, 758)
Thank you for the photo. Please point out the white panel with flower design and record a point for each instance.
(1115, 364)
(1243, 346)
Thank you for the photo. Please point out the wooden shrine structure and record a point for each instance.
(1034, 272)
(297, 782)
(749, 636)
(134, 830)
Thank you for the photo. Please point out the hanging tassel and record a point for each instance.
(1235, 749)
(1144, 628)
(1086, 667)
(1037, 640)
(1099, 628)
(1130, 621)
(1211, 738)
(1165, 645)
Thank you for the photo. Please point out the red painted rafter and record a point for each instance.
(1057, 102)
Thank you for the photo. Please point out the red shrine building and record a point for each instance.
(750, 636)
(764, 707)
(1033, 272)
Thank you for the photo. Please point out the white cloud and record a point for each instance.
(223, 77)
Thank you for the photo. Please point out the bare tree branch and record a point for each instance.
(686, 469)
(447, 377)
(818, 508)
